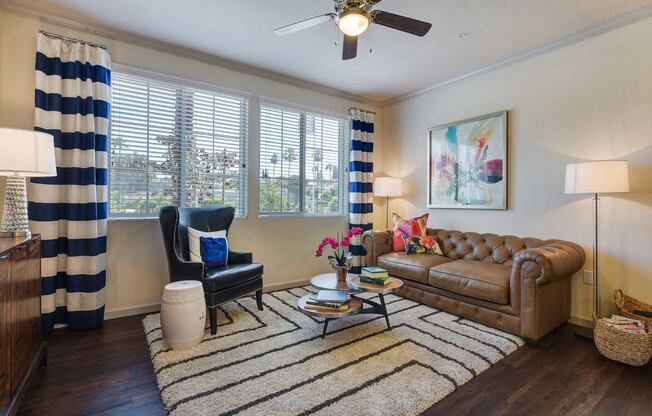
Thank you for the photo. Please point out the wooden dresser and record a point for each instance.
(21, 349)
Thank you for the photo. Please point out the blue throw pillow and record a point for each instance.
(214, 251)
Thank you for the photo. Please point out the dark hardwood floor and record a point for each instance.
(103, 372)
(108, 372)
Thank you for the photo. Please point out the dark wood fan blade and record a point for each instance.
(304, 24)
(350, 49)
(402, 23)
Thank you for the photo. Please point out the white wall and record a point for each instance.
(592, 100)
(137, 268)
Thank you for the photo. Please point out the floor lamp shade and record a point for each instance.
(23, 153)
(387, 187)
(599, 177)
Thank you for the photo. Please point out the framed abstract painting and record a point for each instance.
(467, 163)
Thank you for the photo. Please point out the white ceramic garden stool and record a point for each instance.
(183, 314)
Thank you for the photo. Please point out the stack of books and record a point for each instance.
(329, 301)
(632, 326)
(374, 275)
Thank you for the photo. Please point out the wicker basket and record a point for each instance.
(627, 348)
(626, 306)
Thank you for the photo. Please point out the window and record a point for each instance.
(172, 143)
(302, 162)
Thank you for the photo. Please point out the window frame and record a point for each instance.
(343, 158)
(243, 210)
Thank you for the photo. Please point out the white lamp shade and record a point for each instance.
(26, 153)
(599, 177)
(387, 186)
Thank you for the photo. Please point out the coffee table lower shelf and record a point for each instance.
(353, 286)
(356, 307)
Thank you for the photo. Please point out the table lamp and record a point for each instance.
(599, 177)
(387, 187)
(23, 153)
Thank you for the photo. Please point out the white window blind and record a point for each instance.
(302, 161)
(173, 143)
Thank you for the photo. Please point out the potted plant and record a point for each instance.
(341, 256)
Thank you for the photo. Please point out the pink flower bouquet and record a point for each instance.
(341, 255)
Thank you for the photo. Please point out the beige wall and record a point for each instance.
(592, 100)
(137, 268)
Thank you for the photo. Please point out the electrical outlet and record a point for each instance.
(588, 277)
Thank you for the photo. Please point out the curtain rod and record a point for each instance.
(356, 108)
(69, 39)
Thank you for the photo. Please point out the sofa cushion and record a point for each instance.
(410, 266)
(476, 279)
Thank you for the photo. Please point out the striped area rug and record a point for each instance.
(275, 363)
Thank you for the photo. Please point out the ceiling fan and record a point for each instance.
(353, 18)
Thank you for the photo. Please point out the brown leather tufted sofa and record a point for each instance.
(519, 285)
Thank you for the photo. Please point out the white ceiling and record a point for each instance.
(241, 30)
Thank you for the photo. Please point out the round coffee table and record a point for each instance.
(392, 286)
(352, 286)
(328, 281)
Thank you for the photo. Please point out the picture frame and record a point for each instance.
(468, 163)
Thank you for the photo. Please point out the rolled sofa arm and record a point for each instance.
(376, 243)
(557, 259)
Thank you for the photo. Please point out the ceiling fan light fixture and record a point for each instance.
(353, 22)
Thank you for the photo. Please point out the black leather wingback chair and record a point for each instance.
(222, 284)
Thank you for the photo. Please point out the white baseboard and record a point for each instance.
(132, 310)
(286, 285)
(581, 322)
(155, 307)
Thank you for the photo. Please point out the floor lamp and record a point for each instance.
(599, 177)
(387, 187)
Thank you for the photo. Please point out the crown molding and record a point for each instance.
(181, 51)
(599, 29)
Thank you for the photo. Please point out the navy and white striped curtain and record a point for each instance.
(72, 99)
(361, 168)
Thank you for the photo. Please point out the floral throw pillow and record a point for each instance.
(405, 228)
(416, 244)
